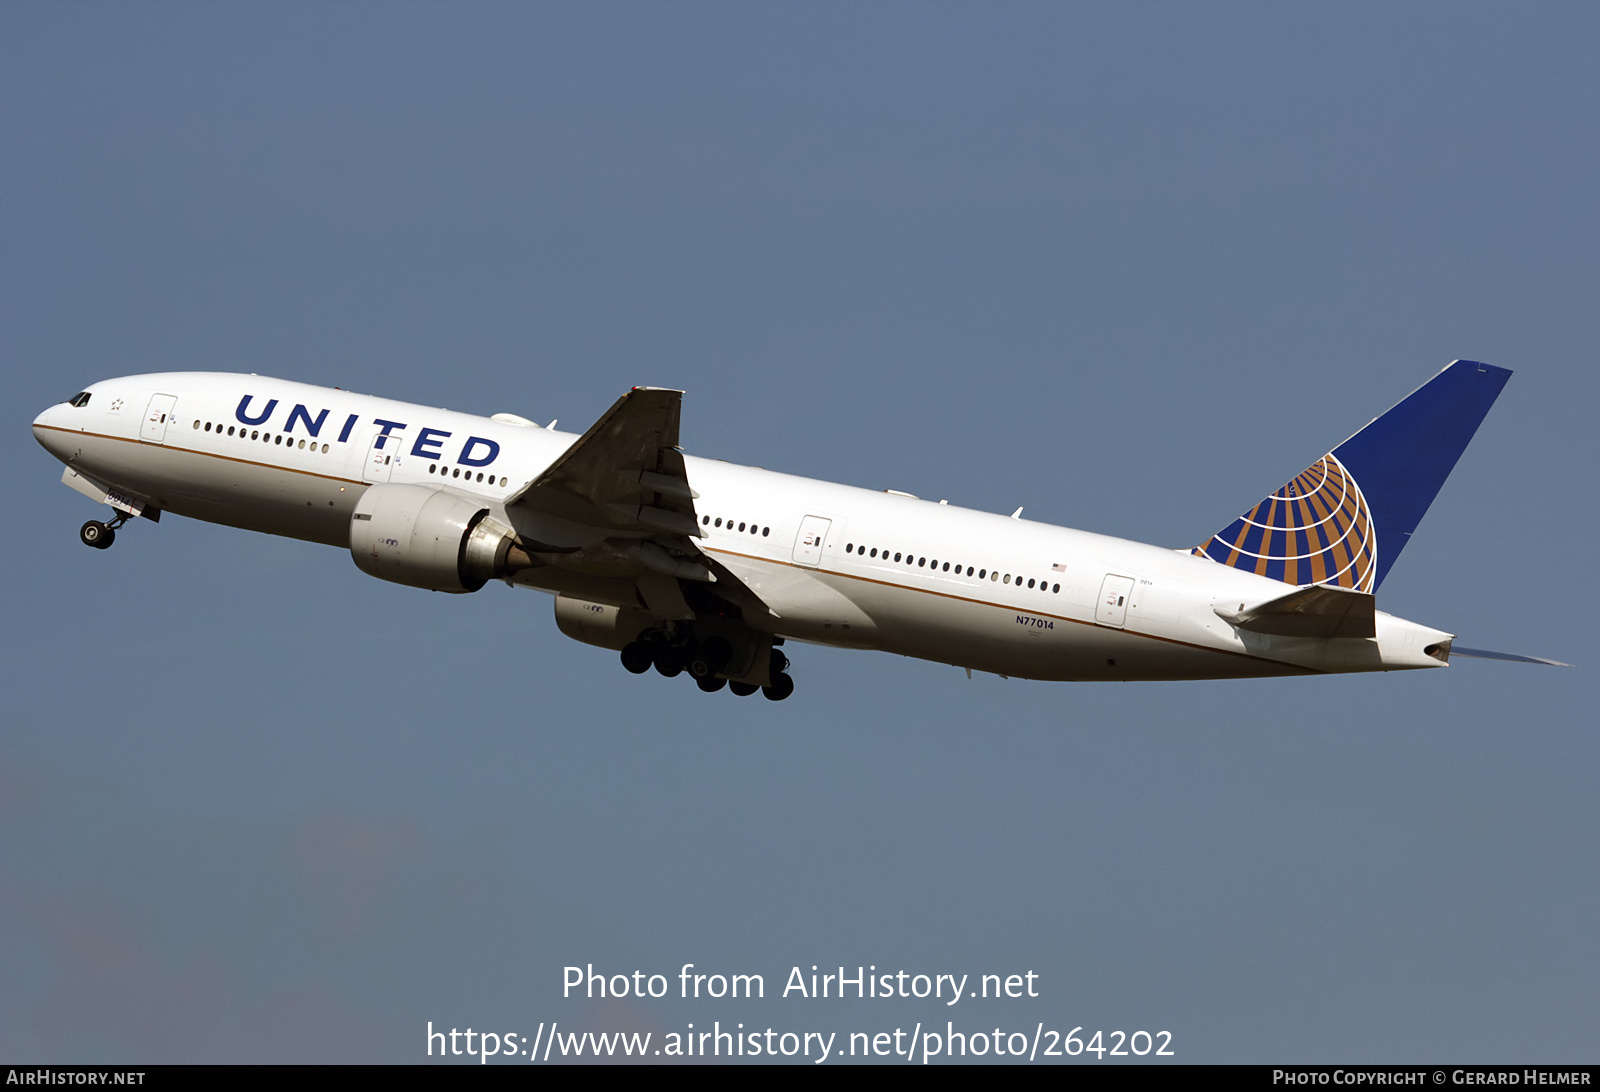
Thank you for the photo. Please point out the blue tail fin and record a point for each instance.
(1346, 518)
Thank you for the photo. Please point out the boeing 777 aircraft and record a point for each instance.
(700, 566)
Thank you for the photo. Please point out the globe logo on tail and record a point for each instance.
(1317, 529)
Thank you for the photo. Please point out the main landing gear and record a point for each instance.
(101, 535)
(703, 661)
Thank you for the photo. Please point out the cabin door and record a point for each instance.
(154, 427)
(381, 457)
(1112, 610)
(809, 542)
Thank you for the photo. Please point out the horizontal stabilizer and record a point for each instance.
(1485, 654)
(1321, 610)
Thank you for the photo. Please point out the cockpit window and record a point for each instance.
(80, 399)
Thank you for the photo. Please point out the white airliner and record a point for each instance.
(700, 566)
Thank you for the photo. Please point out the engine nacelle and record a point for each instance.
(427, 538)
(599, 624)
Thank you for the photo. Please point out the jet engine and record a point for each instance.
(601, 624)
(428, 538)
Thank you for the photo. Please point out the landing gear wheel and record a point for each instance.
(711, 657)
(743, 689)
(711, 683)
(636, 658)
(667, 662)
(96, 534)
(782, 686)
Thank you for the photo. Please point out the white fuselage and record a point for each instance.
(836, 564)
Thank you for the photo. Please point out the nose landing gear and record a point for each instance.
(101, 535)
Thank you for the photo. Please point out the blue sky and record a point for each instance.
(1131, 266)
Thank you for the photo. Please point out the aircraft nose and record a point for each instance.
(44, 433)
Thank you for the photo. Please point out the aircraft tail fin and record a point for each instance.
(1346, 517)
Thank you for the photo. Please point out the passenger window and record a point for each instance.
(897, 555)
(765, 531)
(1030, 581)
(969, 570)
(719, 521)
(741, 526)
(325, 451)
(704, 520)
(947, 566)
(1055, 590)
(197, 425)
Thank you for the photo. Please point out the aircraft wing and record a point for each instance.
(617, 505)
(625, 473)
